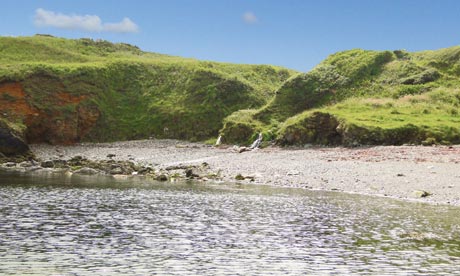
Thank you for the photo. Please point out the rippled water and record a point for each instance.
(60, 225)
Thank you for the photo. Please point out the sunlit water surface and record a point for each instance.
(61, 225)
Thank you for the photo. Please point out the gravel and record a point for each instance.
(393, 171)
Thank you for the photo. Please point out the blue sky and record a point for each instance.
(293, 33)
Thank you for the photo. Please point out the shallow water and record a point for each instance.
(61, 225)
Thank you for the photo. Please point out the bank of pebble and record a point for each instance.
(428, 174)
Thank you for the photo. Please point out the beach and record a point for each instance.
(416, 173)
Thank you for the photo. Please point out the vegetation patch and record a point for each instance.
(362, 97)
(95, 90)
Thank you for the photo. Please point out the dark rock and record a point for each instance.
(11, 143)
(47, 164)
(318, 128)
(111, 155)
(144, 170)
(58, 163)
(190, 174)
(421, 194)
(115, 166)
(243, 149)
(78, 161)
(239, 177)
(400, 174)
(162, 177)
(250, 177)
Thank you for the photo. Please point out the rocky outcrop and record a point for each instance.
(326, 129)
(65, 119)
(12, 144)
(318, 128)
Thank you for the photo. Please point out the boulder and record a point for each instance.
(47, 164)
(11, 142)
(162, 177)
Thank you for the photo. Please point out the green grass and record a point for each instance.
(365, 97)
(352, 97)
(136, 94)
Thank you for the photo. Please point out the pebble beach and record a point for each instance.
(416, 173)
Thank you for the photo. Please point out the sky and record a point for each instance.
(297, 34)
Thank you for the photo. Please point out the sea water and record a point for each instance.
(58, 224)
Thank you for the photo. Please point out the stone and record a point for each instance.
(26, 164)
(188, 173)
(243, 149)
(58, 163)
(9, 164)
(144, 170)
(47, 164)
(86, 171)
(250, 177)
(421, 194)
(162, 177)
(111, 155)
(239, 177)
(116, 170)
(77, 159)
(293, 172)
(11, 144)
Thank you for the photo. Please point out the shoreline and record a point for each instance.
(413, 173)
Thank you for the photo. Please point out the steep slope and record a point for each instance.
(362, 97)
(66, 91)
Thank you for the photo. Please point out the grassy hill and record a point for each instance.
(62, 91)
(65, 91)
(362, 97)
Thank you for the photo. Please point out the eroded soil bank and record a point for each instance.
(396, 171)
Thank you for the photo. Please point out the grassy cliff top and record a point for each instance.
(17, 53)
(95, 90)
(373, 91)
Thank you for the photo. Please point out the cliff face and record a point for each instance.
(68, 122)
(84, 90)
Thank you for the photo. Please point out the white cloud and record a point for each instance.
(125, 26)
(90, 23)
(250, 18)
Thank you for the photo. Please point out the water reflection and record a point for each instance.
(61, 225)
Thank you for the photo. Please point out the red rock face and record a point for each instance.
(13, 103)
(65, 121)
